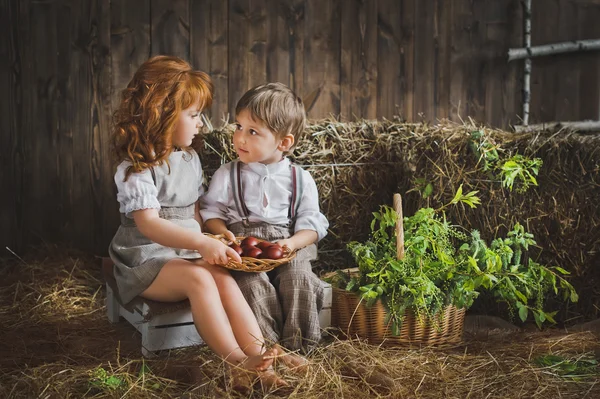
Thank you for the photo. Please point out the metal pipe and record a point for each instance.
(527, 71)
(555, 48)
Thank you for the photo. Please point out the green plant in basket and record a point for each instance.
(443, 265)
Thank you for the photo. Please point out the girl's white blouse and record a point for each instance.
(140, 192)
(267, 195)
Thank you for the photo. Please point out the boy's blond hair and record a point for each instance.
(277, 106)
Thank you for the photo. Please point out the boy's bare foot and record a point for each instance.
(243, 380)
(259, 362)
(253, 368)
(270, 381)
(291, 360)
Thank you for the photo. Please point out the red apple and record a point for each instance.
(252, 252)
(236, 248)
(264, 245)
(272, 252)
(249, 241)
(275, 245)
(246, 248)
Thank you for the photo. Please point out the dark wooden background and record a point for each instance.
(63, 63)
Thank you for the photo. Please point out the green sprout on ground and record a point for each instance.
(104, 380)
(575, 369)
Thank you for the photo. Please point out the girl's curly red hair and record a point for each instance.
(150, 106)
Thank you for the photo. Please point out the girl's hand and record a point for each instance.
(216, 253)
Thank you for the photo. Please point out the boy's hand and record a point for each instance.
(287, 243)
(216, 253)
(229, 235)
(299, 240)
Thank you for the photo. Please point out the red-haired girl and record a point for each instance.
(159, 250)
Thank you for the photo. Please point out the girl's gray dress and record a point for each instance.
(174, 190)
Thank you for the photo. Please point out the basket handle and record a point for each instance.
(399, 227)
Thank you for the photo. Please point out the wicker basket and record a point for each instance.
(353, 317)
(254, 265)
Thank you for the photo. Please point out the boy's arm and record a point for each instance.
(300, 239)
(212, 206)
(310, 224)
(197, 215)
(218, 226)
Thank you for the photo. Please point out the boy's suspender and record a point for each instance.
(236, 186)
(296, 193)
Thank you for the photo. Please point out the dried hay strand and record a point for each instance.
(359, 165)
(57, 342)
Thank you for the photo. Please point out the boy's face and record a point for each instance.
(187, 126)
(254, 142)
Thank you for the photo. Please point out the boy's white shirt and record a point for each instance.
(267, 195)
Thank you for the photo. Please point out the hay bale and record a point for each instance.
(359, 165)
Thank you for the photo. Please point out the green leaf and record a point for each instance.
(539, 318)
(366, 288)
(521, 296)
(351, 284)
(428, 190)
(550, 317)
(457, 196)
(574, 297)
(113, 382)
(568, 368)
(523, 311)
(145, 369)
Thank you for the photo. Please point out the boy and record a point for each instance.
(262, 195)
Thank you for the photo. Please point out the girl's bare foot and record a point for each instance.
(291, 360)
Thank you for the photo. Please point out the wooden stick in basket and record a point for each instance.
(399, 227)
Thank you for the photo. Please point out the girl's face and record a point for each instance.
(187, 126)
(254, 142)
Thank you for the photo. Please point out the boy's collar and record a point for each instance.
(270, 169)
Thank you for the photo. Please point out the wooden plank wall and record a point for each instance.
(64, 62)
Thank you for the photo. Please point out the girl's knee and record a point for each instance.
(197, 278)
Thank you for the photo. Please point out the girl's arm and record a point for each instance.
(168, 234)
